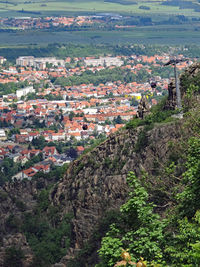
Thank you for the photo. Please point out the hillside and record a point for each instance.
(56, 223)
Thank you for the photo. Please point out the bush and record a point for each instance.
(20, 205)
(3, 196)
(13, 257)
(13, 223)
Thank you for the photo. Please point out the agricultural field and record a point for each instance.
(168, 34)
(161, 7)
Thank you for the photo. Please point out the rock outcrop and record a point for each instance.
(96, 183)
(18, 241)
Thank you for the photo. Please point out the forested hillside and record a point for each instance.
(137, 191)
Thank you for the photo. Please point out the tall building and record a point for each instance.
(39, 63)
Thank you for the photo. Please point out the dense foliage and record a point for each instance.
(140, 229)
(102, 76)
(157, 115)
(9, 88)
(73, 50)
(48, 236)
(13, 257)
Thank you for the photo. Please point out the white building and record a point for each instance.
(24, 91)
(25, 61)
(90, 110)
(39, 62)
(104, 61)
(2, 60)
(3, 135)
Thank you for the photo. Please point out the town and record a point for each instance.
(23, 23)
(61, 22)
(52, 110)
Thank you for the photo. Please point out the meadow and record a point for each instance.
(91, 6)
(166, 34)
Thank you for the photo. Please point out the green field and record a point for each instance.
(92, 6)
(181, 34)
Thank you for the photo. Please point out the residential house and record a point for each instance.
(49, 151)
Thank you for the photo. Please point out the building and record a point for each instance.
(3, 136)
(40, 63)
(24, 91)
(2, 60)
(103, 61)
(25, 61)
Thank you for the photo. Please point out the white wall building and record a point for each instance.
(3, 135)
(90, 110)
(2, 60)
(39, 62)
(104, 61)
(24, 91)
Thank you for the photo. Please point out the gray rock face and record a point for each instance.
(15, 198)
(97, 182)
(17, 240)
(191, 71)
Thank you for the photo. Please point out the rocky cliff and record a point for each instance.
(96, 183)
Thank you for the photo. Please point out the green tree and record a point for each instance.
(140, 230)
(189, 201)
(13, 257)
(13, 131)
(39, 143)
(56, 118)
(118, 120)
(134, 102)
(71, 115)
(183, 249)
